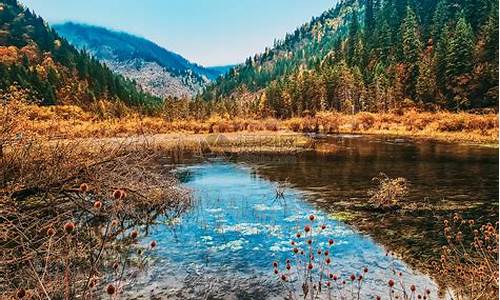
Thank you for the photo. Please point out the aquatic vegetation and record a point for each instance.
(390, 192)
(341, 216)
(310, 273)
(468, 267)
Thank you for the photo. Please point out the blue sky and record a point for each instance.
(208, 32)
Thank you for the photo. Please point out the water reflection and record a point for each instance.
(444, 179)
(224, 247)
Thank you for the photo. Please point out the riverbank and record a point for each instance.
(74, 215)
(69, 122)
(51, 157)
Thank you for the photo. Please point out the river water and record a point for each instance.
(225, 245)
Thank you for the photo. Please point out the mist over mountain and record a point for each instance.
(156, 70)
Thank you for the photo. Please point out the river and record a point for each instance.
(225, 245)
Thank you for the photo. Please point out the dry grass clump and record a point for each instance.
(389, 192)
(73, 122)
(72, 216)
(469, 263)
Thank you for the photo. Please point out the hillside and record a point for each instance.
(40, 66)
(220, 70)
(157, 70)
(369, 55)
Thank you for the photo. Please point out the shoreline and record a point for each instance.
(259, 141)
(457, 138)
(178, 146)
(72, 122)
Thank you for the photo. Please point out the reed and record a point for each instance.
(72, 213)
(73, 122)
(468, 268)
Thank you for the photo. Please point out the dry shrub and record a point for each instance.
(329, 122)
(107, 109)
(365, 120)
(465, 122)
(294, 124)
(69, 212)
(73, 122)
(306, 124)
(310, 272)
(271, 125)
(415, 121)
(469, 263)
(57, 112)
(389, 192)
(452, 123)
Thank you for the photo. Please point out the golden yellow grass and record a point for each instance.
(67, 208)
(120, 154)
(73, 122)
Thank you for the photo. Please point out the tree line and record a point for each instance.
(377, 56)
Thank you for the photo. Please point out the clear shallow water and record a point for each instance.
(443, 179)
(223, 248)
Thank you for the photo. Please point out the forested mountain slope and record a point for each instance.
(376, 55)
(37, 63)
(157, 70)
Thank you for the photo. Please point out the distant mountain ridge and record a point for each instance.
(220, 70)
(156, 70)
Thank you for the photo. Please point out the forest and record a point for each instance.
(376, 56)
(34, 58)
(356, 158)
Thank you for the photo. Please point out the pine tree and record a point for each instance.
(476, 12)
(384, 39)
(440, 56)
(426, 88)
(352, 41)
(369, 18)
(411, 49)
(380, 86)
(412, 45)
(490, 35)
(459, 61)
(52, 77)
(439, 20)
(485, 74)
(460, 49)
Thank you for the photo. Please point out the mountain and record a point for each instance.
(157, 70)
(375, 55)
(220, 70)
(37, 63)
